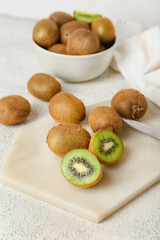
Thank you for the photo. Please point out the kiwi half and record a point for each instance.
(86, 17)
(106, 146)
(81, 168)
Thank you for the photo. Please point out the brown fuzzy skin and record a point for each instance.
(43, 86)
(14, 109)
(91, 149)
(130, 103)
(61, 18)
(104, 29)
(64, 138)
(105, 118)
(101, 48)
(45, 33)
(88, 185)
(82, 42)
(67, 28)
(67, 109)
(58, 48)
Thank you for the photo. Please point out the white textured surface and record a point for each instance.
(143, 11)
(32, 168)
(25, 218)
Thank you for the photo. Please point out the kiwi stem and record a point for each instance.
(136, 109)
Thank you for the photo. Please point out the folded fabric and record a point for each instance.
(138, 59)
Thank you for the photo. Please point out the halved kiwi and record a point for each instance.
(106, 146)
(81, 168)
(86, 17)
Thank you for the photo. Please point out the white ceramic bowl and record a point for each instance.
(74, 68)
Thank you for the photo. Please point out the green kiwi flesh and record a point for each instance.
(107, 146)
(86, 17)
(81, 168)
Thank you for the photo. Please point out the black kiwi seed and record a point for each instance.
(81, 168)
(84, 162)
(106, 146)
(103, 141)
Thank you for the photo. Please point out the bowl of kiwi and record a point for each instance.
(74, 48)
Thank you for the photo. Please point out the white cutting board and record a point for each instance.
(33, 169)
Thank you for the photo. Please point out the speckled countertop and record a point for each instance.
(25, 218)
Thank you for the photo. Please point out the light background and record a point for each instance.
(144, 11)
(23, 217)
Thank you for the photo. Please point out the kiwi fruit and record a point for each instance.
(61, 17)
(105, 118)
(66, 108)
(81, 168)
(104, 29)
(67, 28)
(58, 48)
(43, 86)
(101, 48)
(106, 146)
(45, 33)
(64, 138)
(86, 17)
(14, 109)
(82, 42)
(130, 103)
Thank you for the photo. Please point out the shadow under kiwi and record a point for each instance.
(105, 181)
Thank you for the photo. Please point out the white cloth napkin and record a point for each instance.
(138, 57)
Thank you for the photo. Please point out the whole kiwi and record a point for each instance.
(104, 29)
(61, 17)
(82, 42)
(130, 103)
(66, 108)
(105, 118)
(67, 28)
(43, 86)
(58, 48)
(45, 33)
(64, 138)
(14, 109)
